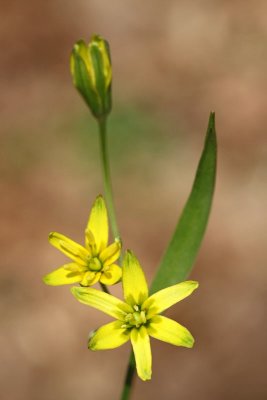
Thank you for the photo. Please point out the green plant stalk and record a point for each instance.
(106, 176)
(115, 231)
(107, 182)
(130, 374)
(104, 288)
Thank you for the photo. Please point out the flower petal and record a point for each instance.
(67, 246)
(170, 331)
(111, 275)
(142, 352)
(102, 301)
(90, 243)
(90, 278)
(165, 298)
(62, 276)
(111, 253)
(133, 280)
(109, 336)
(73, 267)
(98, 224)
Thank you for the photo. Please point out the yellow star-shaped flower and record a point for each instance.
(93, 262)
(138, 317)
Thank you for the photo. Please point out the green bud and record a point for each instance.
(92, 74)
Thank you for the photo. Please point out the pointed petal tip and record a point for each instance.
(50, 282)
(73, 290)
(189, 342)
(129, 254)
(45, 280)
(99, 199)
(90, 343)
(195, 284)
(99, 202)
(91, 346)
(50, 236)
(146, 376)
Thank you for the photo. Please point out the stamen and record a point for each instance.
(136, 318)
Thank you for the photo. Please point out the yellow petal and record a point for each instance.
(142, 352)
(111, 275)
(102, 301)
(133, 280)
(98, 224)
(73, 267)
(62, 276)
(109, 336)
(70, 248)
(90, 243)
(111, 253)
(170, 331)
(165, 298)
(90, 278)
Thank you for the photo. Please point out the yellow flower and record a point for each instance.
(90, 66)
(93, 262)
(138, 316)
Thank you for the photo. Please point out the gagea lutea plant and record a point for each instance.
(138, 316)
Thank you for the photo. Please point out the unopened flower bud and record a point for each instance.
(92, 74)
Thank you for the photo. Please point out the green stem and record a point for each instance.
(104, 288)
(106, 176)
(114, 227)
(130, 373)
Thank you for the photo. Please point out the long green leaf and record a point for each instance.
(182, 250)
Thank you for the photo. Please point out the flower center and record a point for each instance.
(135, 319)
(94, 264)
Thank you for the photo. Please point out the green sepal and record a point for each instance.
(180, 255)
(103, 91)
(83, 84)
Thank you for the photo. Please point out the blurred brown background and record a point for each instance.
(173, 62)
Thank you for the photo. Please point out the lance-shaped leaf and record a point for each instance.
(179, 258)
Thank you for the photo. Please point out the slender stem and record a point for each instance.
(130, 373)
(106, 176)
(107, 183)
(104, 288)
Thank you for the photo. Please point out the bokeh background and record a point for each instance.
(173, 62)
